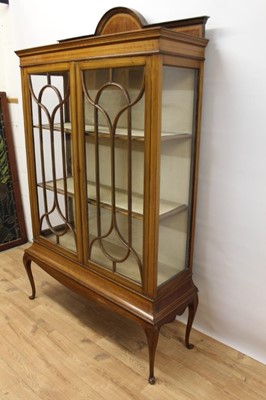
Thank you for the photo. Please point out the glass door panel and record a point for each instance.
(177, 139)
(50, 108)
(114, 146)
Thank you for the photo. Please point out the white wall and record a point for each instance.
(10, 83)
(4, 37)
(230, 248)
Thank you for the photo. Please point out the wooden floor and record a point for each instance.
(62, 347)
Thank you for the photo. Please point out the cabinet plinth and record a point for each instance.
(112, 124)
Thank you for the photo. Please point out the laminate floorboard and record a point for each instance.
(60, 346)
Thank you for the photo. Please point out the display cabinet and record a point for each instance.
(112, 124)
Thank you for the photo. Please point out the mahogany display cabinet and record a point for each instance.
(112, 123)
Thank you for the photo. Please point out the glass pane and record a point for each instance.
(114, 137)
(178, 125)
(53, 157)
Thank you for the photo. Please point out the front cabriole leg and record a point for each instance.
(152, 334)
(27, 265)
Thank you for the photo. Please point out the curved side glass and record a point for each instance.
(177, 141)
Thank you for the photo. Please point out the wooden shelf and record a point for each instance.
(120, 132)
(166, 207)
(137, 134)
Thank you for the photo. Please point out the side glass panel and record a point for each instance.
(177, 138)
(50, 103)
(114, 145)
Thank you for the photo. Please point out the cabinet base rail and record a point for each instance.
(151, 328)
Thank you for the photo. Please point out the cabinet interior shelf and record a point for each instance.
(166, 207)
(121, 133)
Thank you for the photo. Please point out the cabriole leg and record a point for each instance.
(192, 308)
(27, 265)
(152, 334)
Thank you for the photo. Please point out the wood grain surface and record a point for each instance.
(63, 347)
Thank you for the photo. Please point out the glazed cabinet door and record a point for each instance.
(51, 144)
(112, 109)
